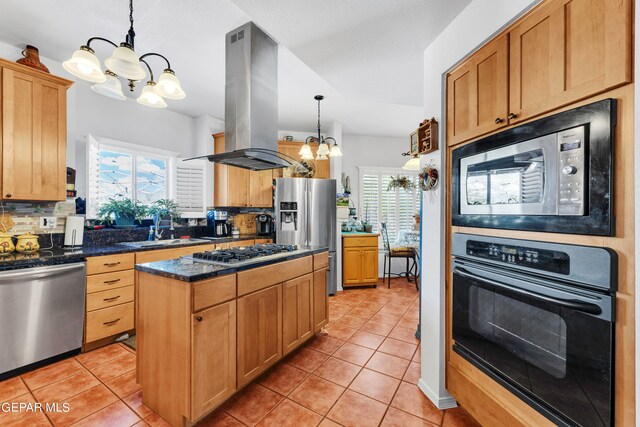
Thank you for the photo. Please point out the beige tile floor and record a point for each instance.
(363, 372)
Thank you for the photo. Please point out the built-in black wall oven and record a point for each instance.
(553, 174)
(539, 319)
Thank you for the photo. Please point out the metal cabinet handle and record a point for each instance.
(111, 299)
(8, 195)
(111, 322)
(111, 282)
(499, 120)
(199, 318)
(512, 116)
(111, 264)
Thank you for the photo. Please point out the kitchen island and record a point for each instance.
(206, 330)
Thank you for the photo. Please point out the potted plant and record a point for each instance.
(122, 210)
(164, 210)
(402, 182)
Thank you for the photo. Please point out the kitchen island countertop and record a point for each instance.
(187, 270)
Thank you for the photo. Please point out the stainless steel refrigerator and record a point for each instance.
(305, 215)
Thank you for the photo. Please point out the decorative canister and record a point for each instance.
(6, 244)
(27, 243)
(32, 59)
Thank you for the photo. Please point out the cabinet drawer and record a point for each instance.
(321, 261)
(109, 321)
(263, 241)
(104, 299)
(263, 277)
(360, 241)
(105, 264)
(215, 291)
(106, 281)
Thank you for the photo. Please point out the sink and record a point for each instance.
(162, 243)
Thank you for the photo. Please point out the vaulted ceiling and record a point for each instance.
(365, 56)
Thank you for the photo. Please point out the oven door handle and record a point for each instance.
(575, 305)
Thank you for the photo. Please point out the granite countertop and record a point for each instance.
(63, 256)
(187, 270)
(357, 234)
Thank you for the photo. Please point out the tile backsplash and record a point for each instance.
(24, 217)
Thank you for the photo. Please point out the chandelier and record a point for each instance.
(124, 62)
(323, 146)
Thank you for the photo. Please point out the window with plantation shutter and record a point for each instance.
(190, 188)
(395, 207)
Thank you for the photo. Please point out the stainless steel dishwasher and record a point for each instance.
(41, 314)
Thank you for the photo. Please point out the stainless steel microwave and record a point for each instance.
(552, 175)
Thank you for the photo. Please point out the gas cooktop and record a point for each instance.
(243, 255)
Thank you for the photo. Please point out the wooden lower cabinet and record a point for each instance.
(352, 262)
(297, 313)
(259, 332)
(370, 264)
(213, 357)
(320, 300)
(199, 343)
(359, 260)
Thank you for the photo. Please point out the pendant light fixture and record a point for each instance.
(413, 164)
(323, 143)
(124, 62)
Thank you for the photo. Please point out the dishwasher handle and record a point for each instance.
(39, 272)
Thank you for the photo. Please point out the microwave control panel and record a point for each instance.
(540, 259)
(571, 173)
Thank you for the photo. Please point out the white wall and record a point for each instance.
(475, 24)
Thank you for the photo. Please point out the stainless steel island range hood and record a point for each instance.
(251, 101)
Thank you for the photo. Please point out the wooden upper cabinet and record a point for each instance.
(477, 93)
(238, 187)
(567, 50)
(34, 134)
(213, 357)
(261, 188)
(292, 148)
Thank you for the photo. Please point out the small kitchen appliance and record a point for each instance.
(554, 174)
(264, 225)
(218, 221)
(73, 231)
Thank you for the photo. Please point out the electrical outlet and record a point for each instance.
(48, 222)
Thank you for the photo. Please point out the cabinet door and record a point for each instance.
(259, 332)
(34, 138)
(351, 266)
(477, 95)
(261, 188)
(237, 186)
(568, 50)
(213, 357)
(297, 312)
(231, 184)
(320, 300)
(369, 265)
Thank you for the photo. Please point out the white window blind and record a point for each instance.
(190, 188)
(396, 208)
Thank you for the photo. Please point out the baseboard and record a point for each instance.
(445, 402)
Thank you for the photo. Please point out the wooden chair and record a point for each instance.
(397, 252)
